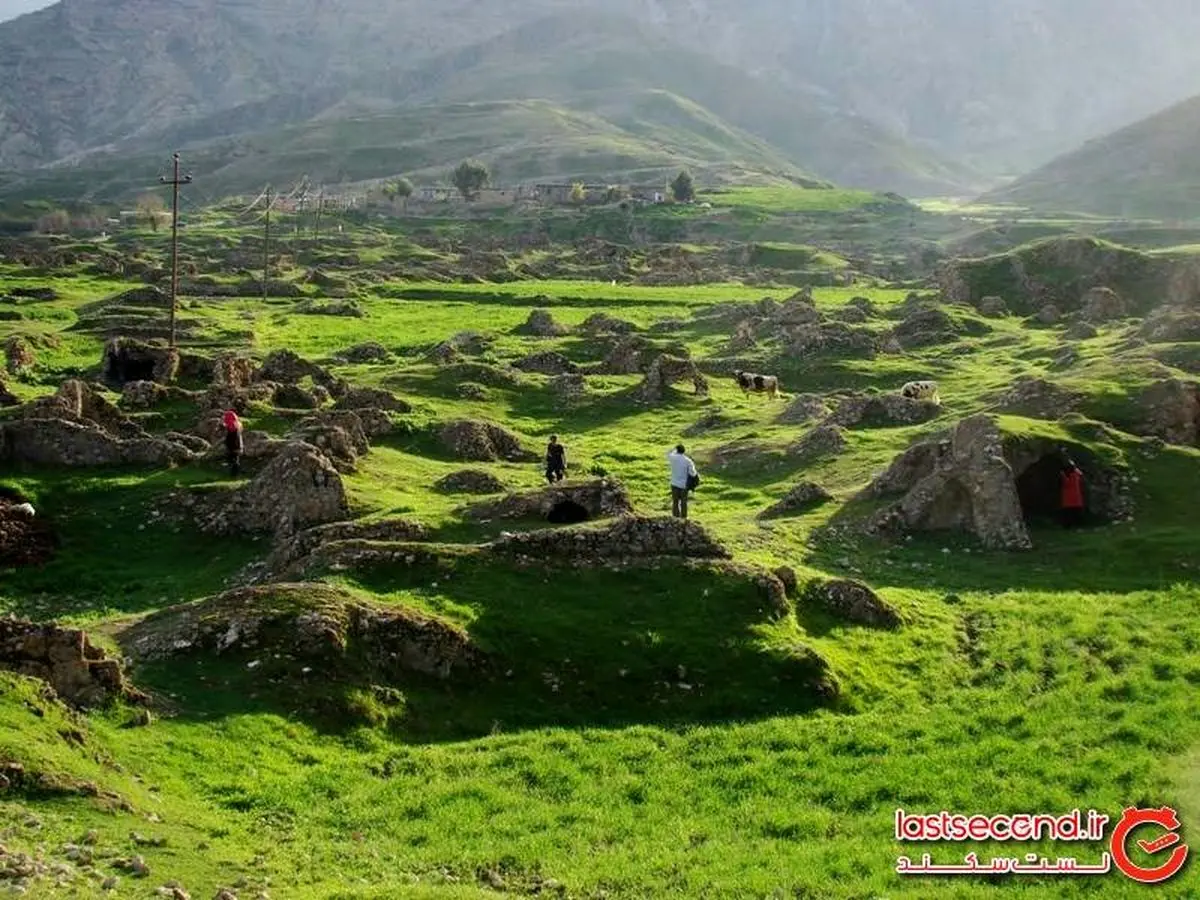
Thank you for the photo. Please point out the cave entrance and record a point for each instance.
(567, 512)
(1039, 489)
(122, 366)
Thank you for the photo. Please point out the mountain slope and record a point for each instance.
(1149, 169)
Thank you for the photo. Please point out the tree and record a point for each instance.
(403, 187)
(470, 177)
(682, 188)
(578, 194)
(150, 208)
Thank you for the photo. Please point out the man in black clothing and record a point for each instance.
(556, 460)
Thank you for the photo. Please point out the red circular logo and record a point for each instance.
(1165, 818)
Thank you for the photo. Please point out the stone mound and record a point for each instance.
(477, 441)
(1171, 411)
(39, 294)
(345, 308)
(985, 483)
(1100, 305)
(926, 328)
(469, 390)
(832, 338)
(18, 355)
(298, 488)
(665, 371)
(603, 323)
(541, 324)
(295, 549)
(312, 622)
(482, 373)
(1172, 325)
(287, 367)
(803, 408)
(1080, 331)
(470, 481)
(342, 435)
(993, 307)
(596, 499)
(800, 498)
(64, 658)
(547, 363)
(1037, 399)
(25, 540)
(628, 537)
(454, 348)
(852, 601)
(877, 410)
(357, 398)
(1049, 314)
(7, 397)
(713, 420)
(126, 359)
(294, 397)
(568, 388)
(368, 352)
(824, 440)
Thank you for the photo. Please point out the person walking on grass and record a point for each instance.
(1071, 495)
(556, 460)
(234, 445)
(684, 479)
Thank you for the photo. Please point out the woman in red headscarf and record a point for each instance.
(233, 441)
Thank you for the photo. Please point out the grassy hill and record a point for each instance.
(642, 731)
(1147, 170)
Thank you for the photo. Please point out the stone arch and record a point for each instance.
(567, 512)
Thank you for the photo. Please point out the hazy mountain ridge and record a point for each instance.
(899, 94)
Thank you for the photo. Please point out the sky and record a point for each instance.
(10, 9)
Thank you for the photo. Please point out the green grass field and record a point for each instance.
(650, 740)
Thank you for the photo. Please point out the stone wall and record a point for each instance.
(604, 497)
(629, 537)
(64, 658)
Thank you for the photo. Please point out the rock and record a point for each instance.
(74, 443)
(292, 396)
(232, 371)
(349, 309)
(993, 307)
(665, 371)
(482, 373)
(630, 355)
(1101, 304)
(469, 390)
(1038, 399)
(143, 394)
(357, 398)
(1171, 325)
(40, 294)
(824, 440)
(1048, 315)
(342, 435)
(298, 488)
(288, 368)
(851, 601)
(126, 360)
(803, 408)
(7, 397)
(469, 481)
(321, 625)
(863, 303)
(1080, 331)
(875, 410)
(787, 577)
(82, 675)
(464, 343)
(367, 352)
(547, 363)
(18, 355)
(833, 338)
(629, 537)
(799, 498)
(853, 315)
(290, 554)
(925, 327)
(593, 499)
(568, 388)
(1171, 411)
(541, 324)
(479, 441)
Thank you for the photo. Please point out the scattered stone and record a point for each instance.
(1101, 304)
(541, 324)
(469, 481)
(801, 497)
(479, 441)
(993, 307)
(64, 658)
(852, 601)
(547, 362)
(593, 499)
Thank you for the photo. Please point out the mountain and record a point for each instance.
(1146, 170)
(915, 95)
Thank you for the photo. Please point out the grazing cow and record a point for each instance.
(921, 390)
(759, 384)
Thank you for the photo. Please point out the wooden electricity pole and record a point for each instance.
(267, 245)
(175, 182)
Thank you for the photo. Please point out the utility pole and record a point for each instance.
(175, 182)
(267, 244)
(317, 222)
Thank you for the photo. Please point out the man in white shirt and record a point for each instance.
(682, 469)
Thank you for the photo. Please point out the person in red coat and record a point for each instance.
(1071, 502)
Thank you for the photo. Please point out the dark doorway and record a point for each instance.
(123, 366)
(567, 512)
(1040, 489)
